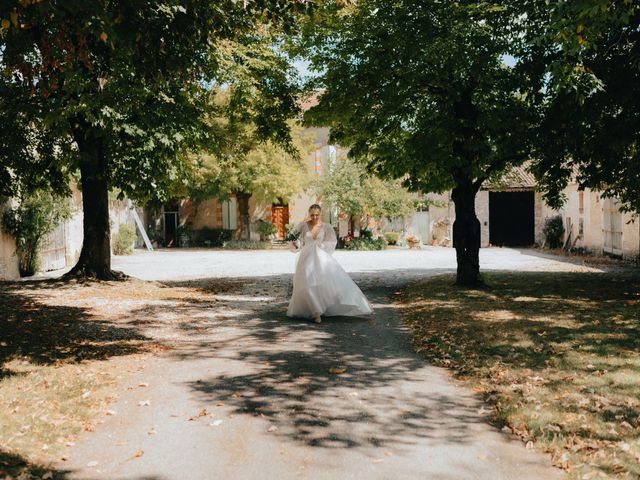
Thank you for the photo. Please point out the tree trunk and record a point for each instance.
(243, 232)
(466, 235)
(95, 256)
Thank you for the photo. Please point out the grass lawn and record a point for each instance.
(556, 355)
(65, 351)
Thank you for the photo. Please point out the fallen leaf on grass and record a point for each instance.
(337, 370)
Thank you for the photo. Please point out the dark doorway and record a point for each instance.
(511, 219)
(171, 229)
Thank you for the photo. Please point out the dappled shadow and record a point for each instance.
(15, 466)
(574, 336)
(290, 371)
(47, 334)
(526, 319)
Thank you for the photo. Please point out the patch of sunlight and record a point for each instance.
(243, 298)
(496, 316)
(527, 299)
(625, 377)
(524, 343)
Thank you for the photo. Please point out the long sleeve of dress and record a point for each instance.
(329, 242)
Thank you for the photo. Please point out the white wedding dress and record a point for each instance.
(320, 285)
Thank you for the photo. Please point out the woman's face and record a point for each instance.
(314, 215)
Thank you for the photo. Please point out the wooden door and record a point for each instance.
(280, 218)
(612, 226)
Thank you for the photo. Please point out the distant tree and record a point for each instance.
(357, 193)
(114, 93)
(239, 162)
(420, 91)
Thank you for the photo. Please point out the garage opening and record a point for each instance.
(511, 219)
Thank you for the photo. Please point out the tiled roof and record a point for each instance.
(515, 178)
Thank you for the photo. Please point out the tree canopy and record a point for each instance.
(421, 92)
(114, 93)
(583, 62)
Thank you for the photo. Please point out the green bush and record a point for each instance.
(553, 231)
(367, 244)
(211, 237)
(366, 234)
(391, 237)
(124, 239)
(245, 245)
(37, 214)
(266, 229)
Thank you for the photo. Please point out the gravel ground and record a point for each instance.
(247, 393)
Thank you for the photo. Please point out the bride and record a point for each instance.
(320, 285)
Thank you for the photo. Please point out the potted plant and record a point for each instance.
(413, 241)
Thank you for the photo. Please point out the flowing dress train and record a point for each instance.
(320, 285)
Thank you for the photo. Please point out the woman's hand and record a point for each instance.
(294, 246)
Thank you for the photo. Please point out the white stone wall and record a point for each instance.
(8, 259)
(482, 212)
(630, 236)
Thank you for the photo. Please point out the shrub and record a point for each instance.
(367, 244)
(553, 231)
(124, 239)
(37, 215)
(245, 245)
(366, 233)
(211, 237)
(266, 229)
(155, 235)
(391, 237)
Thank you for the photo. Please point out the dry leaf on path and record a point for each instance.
(337, 370)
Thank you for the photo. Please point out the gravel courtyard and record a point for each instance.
(247, 393)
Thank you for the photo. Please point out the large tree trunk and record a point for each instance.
(95, 256)
(466, 235)
(243, 232)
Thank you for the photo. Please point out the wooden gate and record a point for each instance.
(280, 218)
(53, 253)
(612, 226)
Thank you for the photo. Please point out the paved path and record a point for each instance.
(274, 410)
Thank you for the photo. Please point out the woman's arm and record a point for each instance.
(330, 240)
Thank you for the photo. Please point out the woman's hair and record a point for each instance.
(315, 206)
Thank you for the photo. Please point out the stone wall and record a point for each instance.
(8, 259)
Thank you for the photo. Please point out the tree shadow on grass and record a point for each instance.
(48, 334)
